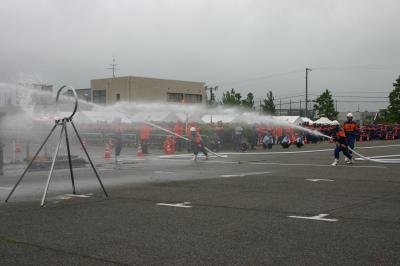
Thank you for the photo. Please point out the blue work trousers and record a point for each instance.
(345, 151)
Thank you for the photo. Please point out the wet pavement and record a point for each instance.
(284, 208)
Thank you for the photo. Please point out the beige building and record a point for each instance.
(141, 89)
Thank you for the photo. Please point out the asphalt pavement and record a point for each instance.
(246, 209)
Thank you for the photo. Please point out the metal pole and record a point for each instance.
(280, 106)
(13, 152)
(1, 148)
(69, 160)
(52, 165)
(307, 69)
(90, 160)
(29, 165)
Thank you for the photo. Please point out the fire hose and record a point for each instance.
(182, 137)
(388, 161)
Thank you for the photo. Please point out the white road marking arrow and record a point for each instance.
(316, 180)
(179, 205)
(319, 217)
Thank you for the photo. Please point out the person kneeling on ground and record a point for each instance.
(299, 142)
(197, 144)
(267, 141)
(341, 146)
(285, 142)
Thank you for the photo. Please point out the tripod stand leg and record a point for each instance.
(29, 165)
(52, 166)
(69, 160)
(90, 160)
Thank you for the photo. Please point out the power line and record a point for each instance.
(360, 67)
(260, 78)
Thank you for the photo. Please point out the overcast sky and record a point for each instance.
(352, 46)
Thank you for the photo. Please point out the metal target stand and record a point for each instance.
(63, 122)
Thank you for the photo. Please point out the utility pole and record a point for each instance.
(280, 106)
(113, 67)
(290, 106)
(336, 105)
(1, 148)
(212, 95)
(307, 69)
(261, 110)
(300, 109)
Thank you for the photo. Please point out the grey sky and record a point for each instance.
(218, 42)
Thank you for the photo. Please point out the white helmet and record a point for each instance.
(192, 129)
(349, 115)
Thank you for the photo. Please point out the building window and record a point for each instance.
(99, 96)
(193, 98)
(187, 98)
(118, 97)
(174, 97)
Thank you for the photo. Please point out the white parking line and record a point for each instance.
(319, 165)
(319, 217)
(163, 172)
(245, 174)
(373, 147)
(77, 195)
(318, 179)
(178, 205)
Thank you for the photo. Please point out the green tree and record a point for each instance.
(394, 102)
(324, 106)
(249, 101)
(381, 117)
(231, 97)
(269, 107)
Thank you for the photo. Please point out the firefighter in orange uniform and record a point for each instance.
(197, 143)
(350, 129)
(341, 145)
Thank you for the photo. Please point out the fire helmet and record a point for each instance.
(192, 129)
(350, 115)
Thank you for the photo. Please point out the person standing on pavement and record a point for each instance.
(341, 145)
(145, 137)
(350, 129)
(178, 129)
(197, 143)
(118, 143)
(237, 138)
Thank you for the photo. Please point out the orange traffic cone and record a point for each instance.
(139, 152)
(107, 152)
